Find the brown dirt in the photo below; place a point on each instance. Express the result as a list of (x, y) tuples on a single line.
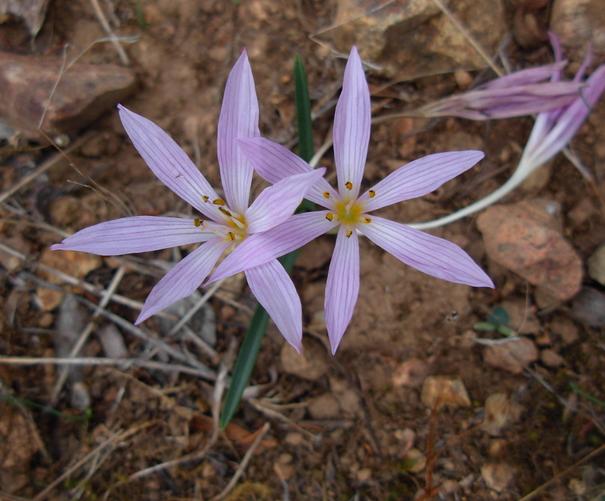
[(181, 60)]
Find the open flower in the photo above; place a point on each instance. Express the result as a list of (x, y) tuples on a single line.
[(351, 213), (228, 222), (552, 132)]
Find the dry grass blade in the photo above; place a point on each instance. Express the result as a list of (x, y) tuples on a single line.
[(114, 39), (124, 363), (83, 337), (76, 466), (48, 164)]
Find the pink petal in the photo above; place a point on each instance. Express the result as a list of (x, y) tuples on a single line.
[(352, 126), (169, 162), (571, 119), (274, 290), (136, 234), (238, 119), (277, 203), (273, 163), (261, 248), (342, 287), (432, 255), (184, 278), (419, 177)]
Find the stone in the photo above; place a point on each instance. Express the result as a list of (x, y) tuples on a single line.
[(84, 93), (406, 40), (20, 439), (48, 299), (324, 407), (444, 391), (500, 412), (525, 239), (414, 461), (112, 342), (522, 316), (311, 364), (497, 476), (579, 23), (565, 329), (32, 12), (347, 398), (410, 373), (76, 264), (551, 358), (512, 356), (589, 307), (596, 265)]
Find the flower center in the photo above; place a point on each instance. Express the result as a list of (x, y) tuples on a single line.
[(349, 212), (239, 228)]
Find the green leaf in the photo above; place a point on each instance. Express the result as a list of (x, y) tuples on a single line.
[(303, 111), (484, 327), (246, 358), (499, 316)]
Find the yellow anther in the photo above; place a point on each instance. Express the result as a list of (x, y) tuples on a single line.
[(231, 235), (218, 201), (349, 185), (367, 219), (348, 233), (225, 211), (205, 198), (197, 222), (371, 193), (329, 216), (326, 194)]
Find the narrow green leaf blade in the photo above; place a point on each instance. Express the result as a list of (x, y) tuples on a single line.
[(303, 111)]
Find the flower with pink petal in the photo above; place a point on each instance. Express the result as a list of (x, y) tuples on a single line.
[(351, 213), (227, 224)]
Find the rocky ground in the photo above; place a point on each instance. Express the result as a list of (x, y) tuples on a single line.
[(438, 391)]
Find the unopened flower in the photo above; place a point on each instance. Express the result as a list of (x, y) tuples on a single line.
[(552, 132), (227, 222), (522, 93), (351, 212)]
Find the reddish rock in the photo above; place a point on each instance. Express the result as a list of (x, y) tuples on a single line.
[(32, 12), (525, 239), (407, 40), (512, 356), (84, 92)]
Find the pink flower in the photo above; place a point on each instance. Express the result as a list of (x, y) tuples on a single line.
[(351, 213), (228, 222)]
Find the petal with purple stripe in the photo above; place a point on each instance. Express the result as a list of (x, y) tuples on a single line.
[(260, 248), (352, 127), (129, 235), (274, 290), (238, 119), (273, 162), (419, 177), (169, 162), (432, 255), (277, 203), (342, 287), (182, 280)]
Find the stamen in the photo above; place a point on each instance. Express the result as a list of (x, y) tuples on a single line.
[(205, 198), (218, 201), (197, 222), (349, 185), (348, 233), (367, 219), (326, 194), (231, 236), (371, 193), (225, 211), (329, 216)]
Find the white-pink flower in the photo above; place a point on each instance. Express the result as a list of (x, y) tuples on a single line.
[(351, 213), (228, 222)]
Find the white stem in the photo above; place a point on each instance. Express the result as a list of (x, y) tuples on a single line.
[(523, 170)]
